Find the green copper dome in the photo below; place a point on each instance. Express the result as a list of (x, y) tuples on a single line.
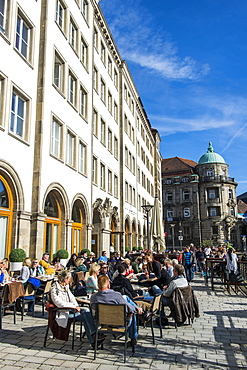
[(211, 156)]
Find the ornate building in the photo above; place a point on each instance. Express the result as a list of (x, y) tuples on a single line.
[(78, 155), (199, 201)]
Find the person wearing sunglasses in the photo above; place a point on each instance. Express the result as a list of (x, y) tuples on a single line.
[(36, 269)]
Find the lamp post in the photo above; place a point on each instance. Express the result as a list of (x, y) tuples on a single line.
[(180, 239), (172, 226), (147, 208)]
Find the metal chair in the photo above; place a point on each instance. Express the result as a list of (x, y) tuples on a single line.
[(29, 296), (112, 319), (43, 293), (156, 311), (5, 304)]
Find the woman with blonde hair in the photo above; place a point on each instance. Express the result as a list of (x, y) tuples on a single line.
[(92, 281), (25, 271)]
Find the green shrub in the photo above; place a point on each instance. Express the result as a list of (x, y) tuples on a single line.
[(17, 255), (140, 248), (127, 249), (135, 248), (62, 254)]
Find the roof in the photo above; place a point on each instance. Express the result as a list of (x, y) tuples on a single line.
[(211, 156), (243, 197), (177, 166), (242, 207)]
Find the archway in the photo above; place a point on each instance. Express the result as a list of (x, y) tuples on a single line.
[(78, 227), (53, 221), (6, 217)]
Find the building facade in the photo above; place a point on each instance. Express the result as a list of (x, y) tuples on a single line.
[(199, 201), (78, 155)]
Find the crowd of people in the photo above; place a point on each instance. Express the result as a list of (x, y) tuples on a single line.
[(134, 280)]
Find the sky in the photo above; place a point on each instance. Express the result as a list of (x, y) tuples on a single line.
[(188, 59)]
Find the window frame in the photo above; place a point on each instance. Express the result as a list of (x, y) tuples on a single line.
[(61, 78), (54, 139), (82, 159), (83, 106), (28, 56), (26, 114), (72, 76), (70, 149)]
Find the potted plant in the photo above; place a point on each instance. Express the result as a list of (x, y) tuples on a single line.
[(63, 254), (16, 258), (140, 248), (135, 248)]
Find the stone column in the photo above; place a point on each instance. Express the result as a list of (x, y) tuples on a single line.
[(23, 227), (36, 250), (87, 243), (105, 241)]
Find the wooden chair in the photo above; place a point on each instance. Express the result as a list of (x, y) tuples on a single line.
[(112, 319), (5, 304)]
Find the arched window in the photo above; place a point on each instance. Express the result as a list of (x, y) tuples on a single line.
[(6, 209), (52, 224), (77, 228)]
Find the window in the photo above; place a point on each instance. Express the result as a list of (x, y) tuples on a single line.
[(95, 39), (82, 158), (115, 147), (230, 194), (19, 115), (95, 78), (125, 123), (109, 181), (109, 141), (83, 102), (186, 195), (94, 170), (126, 191), (134, 197), (187, 233), (3, 15), (58, 74), (109, 102), (211, 194), (210, 173), (72, 86), (109, 67), (115, 186), (23, 37), (232, 211), (214, 211), (215, 230), (73, 31), (169, 215), (2, 98), (95, 122), (102, 90), (185, 179), (139, 175), (102, 132), (186, 212), (60, 15), (168, 181), (169, 197), (84, 52), (70, 155), (56, 138), (84, 9), (115, 78), (102, 175), (102, 52), (115, 112)]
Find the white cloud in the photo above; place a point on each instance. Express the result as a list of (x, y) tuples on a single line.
[(150, 47)]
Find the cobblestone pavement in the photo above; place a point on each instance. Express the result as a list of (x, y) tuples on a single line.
[(216, 340)]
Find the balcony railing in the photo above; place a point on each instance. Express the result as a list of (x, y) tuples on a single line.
[(217, 178)]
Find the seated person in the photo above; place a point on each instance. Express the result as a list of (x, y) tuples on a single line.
[(107, 295), (91, 259), (36, 269), (46, 265), (104, 270), (92, 281), (136, 265), (79, 266), (62, 297), (25, 271), (169, 267), (57, 264), (1, 271), (71, 262), (121, 282), (103, 257), (153, 267), (179, 281)]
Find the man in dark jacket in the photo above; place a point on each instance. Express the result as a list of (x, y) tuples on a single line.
[(121, 283), (189, 263)]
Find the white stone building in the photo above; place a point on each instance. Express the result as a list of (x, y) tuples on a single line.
[(78, 156)]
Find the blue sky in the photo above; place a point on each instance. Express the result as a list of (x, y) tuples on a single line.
[(188, 59)]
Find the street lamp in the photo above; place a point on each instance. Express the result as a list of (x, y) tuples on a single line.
[(180, 239), (172, 226), (147, 208)]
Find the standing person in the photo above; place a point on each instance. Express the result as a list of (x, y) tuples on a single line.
[(46, 265), (201, 260), (231, 265), (112, 248), (188, 261)]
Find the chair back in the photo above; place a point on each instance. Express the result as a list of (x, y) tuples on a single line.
[(78, 276), (5, 295), (29, 290), (86, 275), (48, 286), (111, 314), (156, 303)]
